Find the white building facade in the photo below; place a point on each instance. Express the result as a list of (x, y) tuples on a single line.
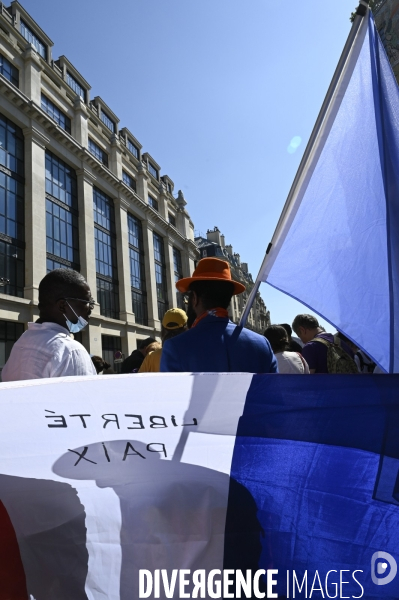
[(76, 191)]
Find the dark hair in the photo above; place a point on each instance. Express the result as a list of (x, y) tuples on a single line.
[(277, 336), (144, 343), (306, 321), (213, 293), (58, 284), (99, 363), (167, 334), (287, 328)]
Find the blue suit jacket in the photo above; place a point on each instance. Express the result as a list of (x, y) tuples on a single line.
[(217, 345)]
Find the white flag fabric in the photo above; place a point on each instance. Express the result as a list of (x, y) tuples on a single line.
[(89, 480), (336, 248)]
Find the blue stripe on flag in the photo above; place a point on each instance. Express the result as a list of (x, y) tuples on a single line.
[(319, 457)]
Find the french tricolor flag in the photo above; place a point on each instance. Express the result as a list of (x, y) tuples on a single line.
[(109, 483)]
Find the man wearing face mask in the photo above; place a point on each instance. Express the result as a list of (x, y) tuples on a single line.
[(47, 349)]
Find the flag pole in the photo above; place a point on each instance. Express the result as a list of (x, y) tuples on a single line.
[(359, 15)]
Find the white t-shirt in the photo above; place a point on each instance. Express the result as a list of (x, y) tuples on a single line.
[(291, 362), (46, 350)]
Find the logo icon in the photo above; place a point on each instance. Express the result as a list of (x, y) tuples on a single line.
[(379, 565)]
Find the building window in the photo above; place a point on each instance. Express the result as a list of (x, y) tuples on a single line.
[(12, 239), (11, 207), (107, 121), (62, 234), (9, 71), (98, 152), (9, 333), (178, 271), (106, 263), (152, 202), (160, 275), (77, 88), (105, 254), (172, 219), (34, 40), (137, 273), (110, 345), (153, 170), (11, 146), (52, 264), (130, 181), (133, 148), (61, 181), (56, 114), (169, 188)]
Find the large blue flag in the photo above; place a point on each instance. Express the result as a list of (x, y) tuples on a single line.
[(336, 247)]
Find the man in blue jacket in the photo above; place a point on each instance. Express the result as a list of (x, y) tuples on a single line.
[(214, 343)]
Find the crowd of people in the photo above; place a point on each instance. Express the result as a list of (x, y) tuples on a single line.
[(200, 339)]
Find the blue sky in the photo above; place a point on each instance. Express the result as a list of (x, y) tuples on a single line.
[(215, 91)]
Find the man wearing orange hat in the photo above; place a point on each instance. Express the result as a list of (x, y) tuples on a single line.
[(214, 343)]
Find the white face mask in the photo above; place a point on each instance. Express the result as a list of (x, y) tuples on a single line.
[(75, 327)]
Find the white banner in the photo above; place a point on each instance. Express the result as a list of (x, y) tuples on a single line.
[(105, 476)]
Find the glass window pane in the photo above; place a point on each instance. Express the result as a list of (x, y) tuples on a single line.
[(33, 39), (133, 148), (55, 113), (108, 121), (105, 248), (61, 243), (98, 152), (160, 275), (77, 88), (11, 191)]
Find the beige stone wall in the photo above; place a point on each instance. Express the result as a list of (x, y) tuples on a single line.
[(22, 105)]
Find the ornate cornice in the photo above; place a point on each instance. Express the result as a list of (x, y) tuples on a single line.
[(36, 136)]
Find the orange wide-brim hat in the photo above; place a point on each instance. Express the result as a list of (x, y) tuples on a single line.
[(210, 269)]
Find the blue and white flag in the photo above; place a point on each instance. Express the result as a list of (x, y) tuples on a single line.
[(336, 247), (207, 486)]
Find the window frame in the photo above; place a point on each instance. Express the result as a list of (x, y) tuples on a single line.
[(137, 269), (35, 41), (76, 87), (160, 270), (14, 72), (178, 273), (135, 151), (108, 122), (48, 105), (153, 202), (62, 216), (105, 237), (153, 170), (12, 208), (113, 344), (96, 151), (128, 180)]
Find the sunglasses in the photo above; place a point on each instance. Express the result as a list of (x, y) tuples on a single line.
[(90, 302)]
